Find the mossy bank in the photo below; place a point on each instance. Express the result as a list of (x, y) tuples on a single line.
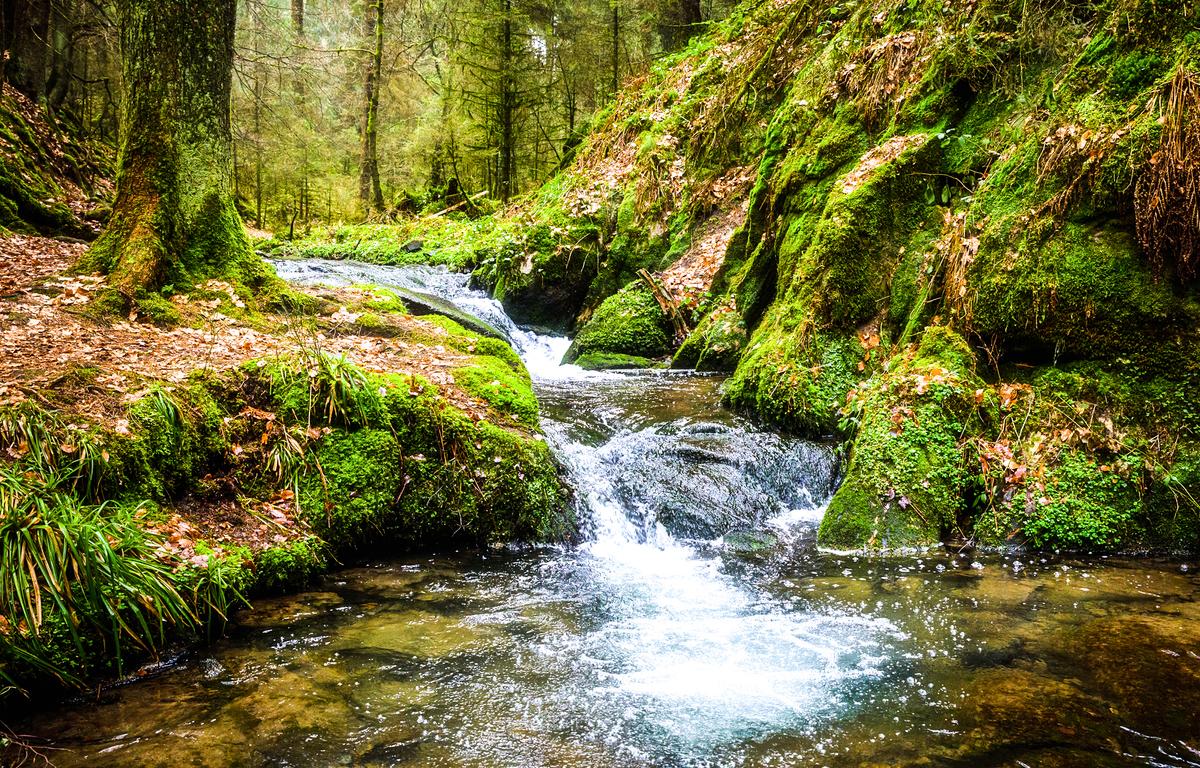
[(243, 456)]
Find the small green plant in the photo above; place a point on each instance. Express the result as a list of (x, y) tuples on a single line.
[(337, 388), (165, 405), (83, 572)]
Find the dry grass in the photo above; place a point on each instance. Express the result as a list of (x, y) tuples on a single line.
[(1167, 196), (880, 74)]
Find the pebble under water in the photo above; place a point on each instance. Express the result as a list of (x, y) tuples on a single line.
[(696, 625)]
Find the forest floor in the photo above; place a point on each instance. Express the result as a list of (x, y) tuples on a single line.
[(88, 369)]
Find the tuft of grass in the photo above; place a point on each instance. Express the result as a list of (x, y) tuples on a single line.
[(44, 443), (86, 573)]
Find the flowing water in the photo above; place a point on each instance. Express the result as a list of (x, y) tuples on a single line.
[(697, 625)]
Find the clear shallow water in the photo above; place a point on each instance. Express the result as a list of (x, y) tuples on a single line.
[(696, 626)]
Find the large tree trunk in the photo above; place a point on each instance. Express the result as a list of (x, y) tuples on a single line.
[(174, 217), (679, 23), (26, 31), (369, 189)]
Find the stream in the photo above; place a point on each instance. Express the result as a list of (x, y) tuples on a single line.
[(696, 625)]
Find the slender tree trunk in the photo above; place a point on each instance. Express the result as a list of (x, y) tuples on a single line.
[(260, 76), (301, 95), (616, 47), (174, 217), (258, 157), (369, 189), (506, 170), (61, 55), (298, 18)]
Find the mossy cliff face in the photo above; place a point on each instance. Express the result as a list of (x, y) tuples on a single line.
[(838, 252), (1020, 172)]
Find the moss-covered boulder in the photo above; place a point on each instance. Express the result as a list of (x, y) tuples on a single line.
[(628, 323), (715, 345), (907, 478), (1083, 291)]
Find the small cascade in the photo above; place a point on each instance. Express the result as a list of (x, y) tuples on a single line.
[(662, 474)]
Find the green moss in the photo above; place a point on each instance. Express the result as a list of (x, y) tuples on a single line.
[(797, 384), (1170, 515), (1084, 292), (1134, 72), (155, 308), (715, 345), (360, 479), (494, 381), (432, 477), (606, 361), (449, 241), (627, 323), (907, 479)]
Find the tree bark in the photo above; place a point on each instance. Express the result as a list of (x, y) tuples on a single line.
[(60, 62), (369, 190), (680, 23), (298, 18), (616, 48), (174, 218), (26, 31), (506, 170)]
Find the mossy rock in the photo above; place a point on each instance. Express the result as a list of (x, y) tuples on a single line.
[(715, 345), (907, 479), (628, 323), (1084, 293), (605, 361), (425, 304), (538, 282)]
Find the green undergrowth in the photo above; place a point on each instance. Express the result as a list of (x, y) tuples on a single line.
[(449, 240)]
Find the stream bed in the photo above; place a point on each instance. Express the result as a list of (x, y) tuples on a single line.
[(695, 625)]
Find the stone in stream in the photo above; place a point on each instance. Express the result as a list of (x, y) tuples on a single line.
[(419, 303)]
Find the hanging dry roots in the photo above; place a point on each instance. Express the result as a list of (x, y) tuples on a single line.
[(1167, 197)]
